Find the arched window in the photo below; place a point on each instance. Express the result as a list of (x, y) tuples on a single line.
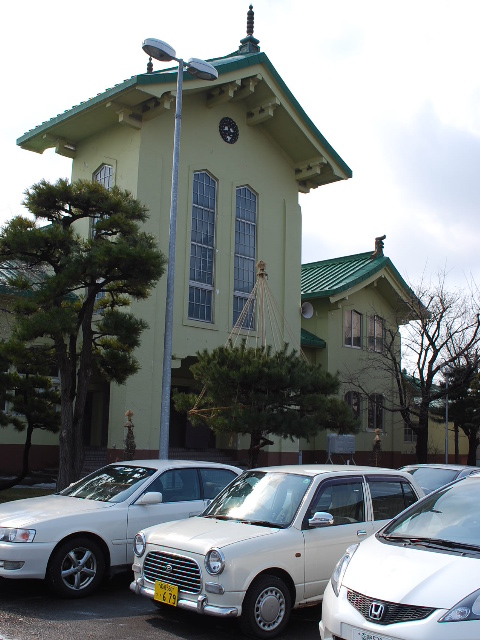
[(375, 411), (352, 398), (245, 253), (202, 247), (103, 175)]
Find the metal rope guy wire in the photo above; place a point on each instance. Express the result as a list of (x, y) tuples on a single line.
[(261, 299)]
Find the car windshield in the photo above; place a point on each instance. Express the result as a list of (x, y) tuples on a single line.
[(432, 478), (110, 484), (259, 497), (450, 515)]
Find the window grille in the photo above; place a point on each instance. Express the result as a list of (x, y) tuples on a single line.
[(245, 254), (202, 247)]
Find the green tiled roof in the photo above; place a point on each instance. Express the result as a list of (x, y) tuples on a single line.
[(331, 277), (311, 340), (9, 269), (224, 65)]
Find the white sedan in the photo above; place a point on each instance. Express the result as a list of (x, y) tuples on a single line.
[(75, 537), (418, 578), (268, 542)]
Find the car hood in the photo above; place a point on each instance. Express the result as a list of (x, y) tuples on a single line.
[(31, 511), (199, 534), (411, 575)]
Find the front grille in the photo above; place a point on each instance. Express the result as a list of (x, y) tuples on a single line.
[(391, 613), (174, 569)]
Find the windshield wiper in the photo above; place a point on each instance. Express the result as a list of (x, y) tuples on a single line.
[(433, 542), (404, 539), (262, 523), (451, 544), (211, 515)]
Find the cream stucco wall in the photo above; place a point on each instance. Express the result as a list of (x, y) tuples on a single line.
[(142, 160), (327, 322)]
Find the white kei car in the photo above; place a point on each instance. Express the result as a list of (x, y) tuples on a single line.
[(268, 542), (75, 537), (416, 579)]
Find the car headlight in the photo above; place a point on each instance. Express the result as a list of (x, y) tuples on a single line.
[(339, 571), (214, 562), (16, 535), (466, 609), (139, 544)]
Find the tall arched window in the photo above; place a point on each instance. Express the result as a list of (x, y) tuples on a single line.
[(352, 398), (245, 253), (202, 247), (104, 176)]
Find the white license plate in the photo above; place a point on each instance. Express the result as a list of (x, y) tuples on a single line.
[(359, 634)]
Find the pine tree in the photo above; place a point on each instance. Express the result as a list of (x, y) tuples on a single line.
[(264, 393), (28, 398), (76, 290)]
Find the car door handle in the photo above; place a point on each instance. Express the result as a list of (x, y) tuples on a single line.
[(361, 532)]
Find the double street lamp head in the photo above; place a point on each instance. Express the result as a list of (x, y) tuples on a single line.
[(163, 52)]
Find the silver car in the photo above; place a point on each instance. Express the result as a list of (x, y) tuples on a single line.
[(434, 476), (75, 537)]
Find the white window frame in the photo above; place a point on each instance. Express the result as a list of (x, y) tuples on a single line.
[(376, 333), (104, 175), (350, 316)]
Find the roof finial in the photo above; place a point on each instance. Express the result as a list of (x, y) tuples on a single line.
[(250, 21), (378, 248), (150, 65), (249, 44)]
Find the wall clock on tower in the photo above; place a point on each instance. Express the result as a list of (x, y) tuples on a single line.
[(228, 129)]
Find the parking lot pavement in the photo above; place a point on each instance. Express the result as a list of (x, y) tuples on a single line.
[(29, 612)]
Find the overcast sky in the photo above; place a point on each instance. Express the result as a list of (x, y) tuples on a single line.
[(394, 87)]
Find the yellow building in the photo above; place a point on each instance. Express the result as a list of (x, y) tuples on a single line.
[(247, 150), (348, 304)]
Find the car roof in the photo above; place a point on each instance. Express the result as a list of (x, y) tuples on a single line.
[(325, 469), (161, 465), (453, 467)]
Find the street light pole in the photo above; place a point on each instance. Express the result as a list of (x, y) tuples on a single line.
[(446, 420), (168, 336), (203, 70)]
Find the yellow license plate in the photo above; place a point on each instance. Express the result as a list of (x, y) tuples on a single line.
[(166, 593)]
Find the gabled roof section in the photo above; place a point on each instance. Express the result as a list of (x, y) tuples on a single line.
[(338, 278), (246, 76)]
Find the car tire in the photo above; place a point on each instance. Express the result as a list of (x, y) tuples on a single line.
[(266, 607), (76, 568)]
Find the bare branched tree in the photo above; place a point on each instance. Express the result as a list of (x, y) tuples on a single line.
[(441, 330)]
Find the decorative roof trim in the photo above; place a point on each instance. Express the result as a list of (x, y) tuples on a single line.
[(227, 64)]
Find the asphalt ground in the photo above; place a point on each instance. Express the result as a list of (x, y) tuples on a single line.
[(29, 612)]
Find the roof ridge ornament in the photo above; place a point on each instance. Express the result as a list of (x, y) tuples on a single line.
[(250, 21), (249, 44), (378, 253)]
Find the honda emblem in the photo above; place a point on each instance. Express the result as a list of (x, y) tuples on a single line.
[(376, 611)]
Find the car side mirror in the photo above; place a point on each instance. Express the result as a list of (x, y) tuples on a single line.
[(321, 519), (152, 497)]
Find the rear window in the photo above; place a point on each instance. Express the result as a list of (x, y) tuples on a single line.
[(430, 478), (390, 497), (214, 480)]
